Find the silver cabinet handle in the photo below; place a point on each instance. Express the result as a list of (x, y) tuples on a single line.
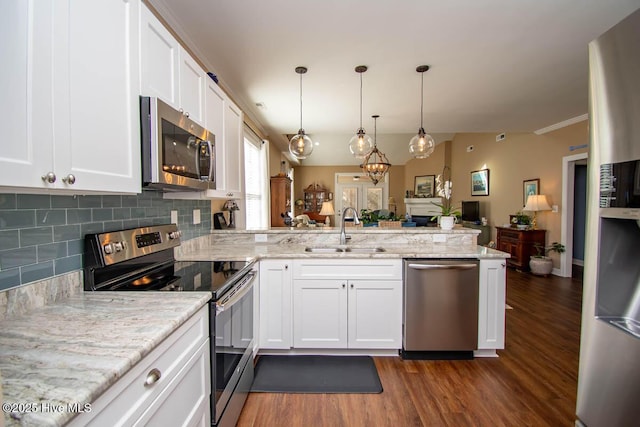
[(69, 179), (442, 266), (152, 377), (49, 177)]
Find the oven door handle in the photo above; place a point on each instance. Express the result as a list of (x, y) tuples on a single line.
[(237, 294)]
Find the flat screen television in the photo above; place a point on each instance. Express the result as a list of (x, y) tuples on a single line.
[(471, 211)]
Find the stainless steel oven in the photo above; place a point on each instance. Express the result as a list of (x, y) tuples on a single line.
[(142, 259), (177, 153)]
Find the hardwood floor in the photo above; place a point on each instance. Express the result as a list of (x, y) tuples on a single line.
[(532, 383)]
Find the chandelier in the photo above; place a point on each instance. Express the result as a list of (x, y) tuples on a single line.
[(375, 164), (360, 144), (300, 145), (421, 145)]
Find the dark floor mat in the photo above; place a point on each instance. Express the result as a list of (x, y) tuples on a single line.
[(316, 374)]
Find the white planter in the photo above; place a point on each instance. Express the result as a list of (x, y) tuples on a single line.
[(447, 222), (541, 266)]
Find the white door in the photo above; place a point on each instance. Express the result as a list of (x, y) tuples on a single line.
[(375, 313), (192, 87), (357, 191), (320, 313), (275, 304)]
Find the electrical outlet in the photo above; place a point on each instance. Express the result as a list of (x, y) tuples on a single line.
[(554, 208), (439, 238), (196, 216), (174, 217), (500, 137), (261, 238), (197, 281)]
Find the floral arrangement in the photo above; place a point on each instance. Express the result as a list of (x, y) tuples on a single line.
[(521, 218), (443, 189)]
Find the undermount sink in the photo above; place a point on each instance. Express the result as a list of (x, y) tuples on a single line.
[(323, 249), (365, 250)]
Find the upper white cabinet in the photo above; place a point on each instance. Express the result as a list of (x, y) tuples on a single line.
[(167, 71), (70, 94), (233, 152)]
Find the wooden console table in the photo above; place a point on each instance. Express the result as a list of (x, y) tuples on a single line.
[(520, 244)]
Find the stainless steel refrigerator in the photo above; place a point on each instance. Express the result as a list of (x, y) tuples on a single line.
[(609, 376)]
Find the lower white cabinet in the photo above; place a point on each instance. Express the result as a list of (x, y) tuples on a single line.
[(345, 306), (491, 304), (275, 304), (170, 386)]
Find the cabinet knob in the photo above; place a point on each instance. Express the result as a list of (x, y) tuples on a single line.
[(49, 177), (352, 286), (503, 264), (186, 113), (69, 179), (152, 377), (343, 285), (286, 267)]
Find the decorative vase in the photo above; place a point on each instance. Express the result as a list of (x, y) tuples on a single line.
[(541, 266), (447, 222)]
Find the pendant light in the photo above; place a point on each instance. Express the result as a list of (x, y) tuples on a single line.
[(360, 144), (421, 145), (375, 163), (300, 145)]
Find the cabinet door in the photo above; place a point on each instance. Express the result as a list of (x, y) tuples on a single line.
[(320, 314), (275, 304), (26, 147), (159, 60), (491, 305), (101, 145), (375, 314), (214, 104), (192, 87), (233, 150)]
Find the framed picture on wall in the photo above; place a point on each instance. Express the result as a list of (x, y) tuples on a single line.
[(530, 187), (423, 186), (480, 182)]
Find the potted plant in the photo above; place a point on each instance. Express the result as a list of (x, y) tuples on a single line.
[(521, 220), (449, 214), (368, 218), (541, 264)]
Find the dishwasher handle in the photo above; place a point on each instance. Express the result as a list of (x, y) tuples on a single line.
[(443, 266)]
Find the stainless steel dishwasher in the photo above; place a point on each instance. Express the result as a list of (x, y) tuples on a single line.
[(440, 309)]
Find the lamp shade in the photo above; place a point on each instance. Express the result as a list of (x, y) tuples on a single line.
[(537, 202), (327, 209)]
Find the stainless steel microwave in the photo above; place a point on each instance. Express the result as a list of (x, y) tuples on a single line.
[(177, 153)]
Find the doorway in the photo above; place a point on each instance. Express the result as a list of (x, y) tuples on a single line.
[(357, 191), (570, 226)]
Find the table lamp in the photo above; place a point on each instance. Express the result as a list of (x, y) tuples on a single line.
[(535, 203), (327, 209)]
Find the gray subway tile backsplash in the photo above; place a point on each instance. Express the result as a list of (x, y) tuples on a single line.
[(42, 235)]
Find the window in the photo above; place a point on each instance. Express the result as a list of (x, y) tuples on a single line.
[(255, 166)]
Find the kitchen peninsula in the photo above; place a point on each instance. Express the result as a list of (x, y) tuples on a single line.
[(297, 264)]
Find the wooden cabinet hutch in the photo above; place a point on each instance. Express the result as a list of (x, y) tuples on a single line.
[(520, 244), (280, 200), (314, 195)]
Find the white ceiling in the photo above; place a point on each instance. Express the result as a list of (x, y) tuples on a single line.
[(496, 65)]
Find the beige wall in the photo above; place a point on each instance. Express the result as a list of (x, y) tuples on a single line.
[(520, 157)]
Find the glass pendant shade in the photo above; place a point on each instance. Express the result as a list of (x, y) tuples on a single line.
[(300, 145), (360, 144), (421, 145)]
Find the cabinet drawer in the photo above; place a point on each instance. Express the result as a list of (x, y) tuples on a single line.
[(379, 269), (510, 235), (127, 399)]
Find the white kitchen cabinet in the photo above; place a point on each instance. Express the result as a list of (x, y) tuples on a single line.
[(225, 120), (170, 386), (275, 304), (70, 93), (491, 305), (347, 304), (168, 71)]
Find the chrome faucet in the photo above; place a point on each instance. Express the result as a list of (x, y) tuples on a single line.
[(356, 221)]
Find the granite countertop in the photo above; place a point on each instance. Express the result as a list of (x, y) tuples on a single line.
[(72, 351), (259, 251)]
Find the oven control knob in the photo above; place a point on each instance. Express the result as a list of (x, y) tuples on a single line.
[(118, 246), (175, 235), (108, 248)]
